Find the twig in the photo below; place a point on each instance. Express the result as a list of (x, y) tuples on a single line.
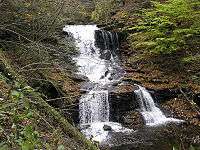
[(190, 101), (44, 119), (40, 63), (35, 69), (49, 100)]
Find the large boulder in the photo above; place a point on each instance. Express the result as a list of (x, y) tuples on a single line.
[(133, 120), (107, 128), (122, 99)]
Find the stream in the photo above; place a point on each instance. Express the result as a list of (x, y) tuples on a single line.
[(99, 62)]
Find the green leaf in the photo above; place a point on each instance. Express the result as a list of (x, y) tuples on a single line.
[(61, 147), (27, 145), (29, 115), (15, 94)]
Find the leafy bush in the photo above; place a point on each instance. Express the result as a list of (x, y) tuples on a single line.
[(170, 26)]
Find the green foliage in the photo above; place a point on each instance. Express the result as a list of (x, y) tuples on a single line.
[(170, 26), (19, 132), (190, 59)]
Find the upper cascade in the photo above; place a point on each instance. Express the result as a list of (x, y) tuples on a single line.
[(97, 51)]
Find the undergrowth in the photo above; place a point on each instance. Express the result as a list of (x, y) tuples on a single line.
[(168, 27)]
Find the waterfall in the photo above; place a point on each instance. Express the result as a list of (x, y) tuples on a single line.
[(97, 61), (152, 114), (94, 107)]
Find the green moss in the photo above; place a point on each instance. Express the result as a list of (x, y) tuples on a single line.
[(191, 59)]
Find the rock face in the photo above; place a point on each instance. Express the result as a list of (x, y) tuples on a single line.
[(132, 120), (162, 95), (106, 40), (122, 99)]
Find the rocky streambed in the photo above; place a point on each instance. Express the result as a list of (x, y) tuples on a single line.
[(111, 91), (125, 109)]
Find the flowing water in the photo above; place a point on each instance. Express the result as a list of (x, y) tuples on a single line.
[(97, 61), (152, 114)]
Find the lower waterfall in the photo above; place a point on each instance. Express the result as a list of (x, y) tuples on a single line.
[(152, 114)]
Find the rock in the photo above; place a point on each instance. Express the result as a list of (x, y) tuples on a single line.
[(182, 109), (84, 127), (105, 55), (197, 99), (122, 99), (86, 87), (131, 81), (162, 137), (162, 95), (158, 81), (64, 33), (79, 78), (108, 43), (133, 120), (107, 128)]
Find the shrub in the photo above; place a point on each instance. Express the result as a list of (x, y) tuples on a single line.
[(171, 26)]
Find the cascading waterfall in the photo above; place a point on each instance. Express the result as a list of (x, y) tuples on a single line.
[(97, 61), (152, 114), (94, 107)]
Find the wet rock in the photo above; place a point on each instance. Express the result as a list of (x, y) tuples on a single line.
[(105, 55), (79, 78), (122, 99), (64, 33), (131, 81), (163, 95), (83, 127), (162, 137), (86, 87), (107, 128), (132, 120), (108, 42)]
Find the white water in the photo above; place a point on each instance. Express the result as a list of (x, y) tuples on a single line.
[(152, 114), (94, 106)]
